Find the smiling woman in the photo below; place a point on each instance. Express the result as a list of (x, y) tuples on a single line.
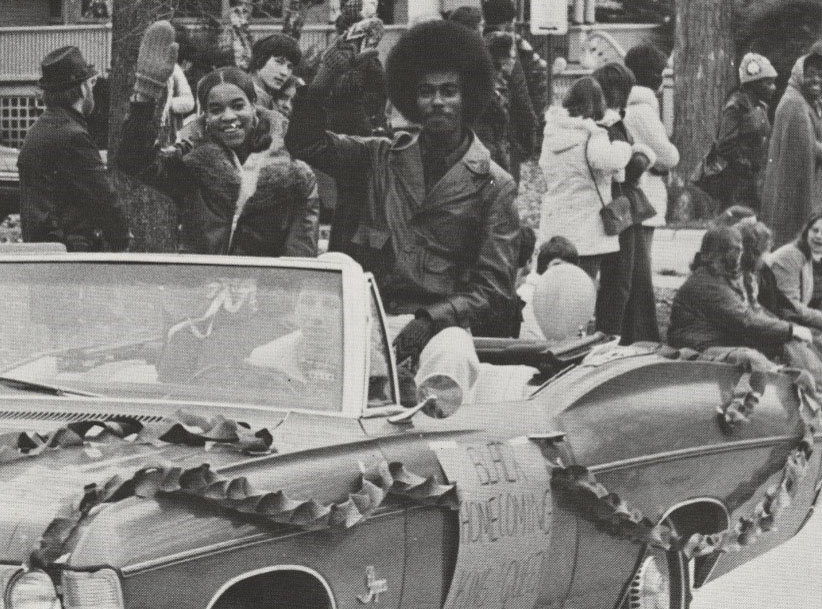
[(238, 190)]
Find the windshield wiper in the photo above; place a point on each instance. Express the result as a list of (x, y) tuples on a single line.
[(43, 388)]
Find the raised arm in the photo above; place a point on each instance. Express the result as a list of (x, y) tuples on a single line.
[(340, 156)]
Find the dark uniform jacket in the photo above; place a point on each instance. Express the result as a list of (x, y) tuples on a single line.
[(712, 311), (450, 252), (281, 218), (744, 132), (65, 193)]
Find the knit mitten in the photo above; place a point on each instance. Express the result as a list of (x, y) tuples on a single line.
[(156, 59)]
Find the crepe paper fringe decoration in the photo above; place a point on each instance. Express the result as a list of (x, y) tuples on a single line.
[(595, 503), (238, 495), (182, 428)]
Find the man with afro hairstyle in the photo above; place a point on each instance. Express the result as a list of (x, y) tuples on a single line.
[(437, 224)]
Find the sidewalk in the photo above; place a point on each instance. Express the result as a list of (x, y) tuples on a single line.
[(672, 253)]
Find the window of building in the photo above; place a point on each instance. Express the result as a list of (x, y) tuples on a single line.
[(17, 114)]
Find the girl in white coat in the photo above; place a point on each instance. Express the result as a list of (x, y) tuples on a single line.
[(575, 147)]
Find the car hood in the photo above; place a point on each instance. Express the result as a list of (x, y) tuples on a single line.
[(34, 490)]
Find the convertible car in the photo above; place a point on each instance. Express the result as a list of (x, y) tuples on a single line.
[(219, 433)]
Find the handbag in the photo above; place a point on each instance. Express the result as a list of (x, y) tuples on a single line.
[(616, 215), (642, 208), (707, 175)]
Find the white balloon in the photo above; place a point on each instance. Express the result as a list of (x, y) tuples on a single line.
[(564, 300)]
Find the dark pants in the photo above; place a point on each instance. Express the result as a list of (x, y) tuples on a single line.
[(590, 264), (625, 301)]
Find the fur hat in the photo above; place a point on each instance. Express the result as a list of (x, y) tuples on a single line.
[(755, 67), (436, 46)]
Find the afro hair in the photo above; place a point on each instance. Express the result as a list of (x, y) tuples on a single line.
[(275, 45), (647, 63), (438, 46)]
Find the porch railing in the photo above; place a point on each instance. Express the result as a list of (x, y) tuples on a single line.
[(22, 48)]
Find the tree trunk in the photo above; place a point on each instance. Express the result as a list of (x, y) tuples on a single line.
[(152, 215), (704, 73)]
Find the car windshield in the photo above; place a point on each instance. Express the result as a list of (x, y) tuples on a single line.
[(240, 335)]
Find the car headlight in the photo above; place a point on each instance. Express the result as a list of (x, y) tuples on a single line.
[(32, 590), (7, 572), (98, 590)]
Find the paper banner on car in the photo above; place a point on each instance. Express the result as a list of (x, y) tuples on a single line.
[(506, 512)]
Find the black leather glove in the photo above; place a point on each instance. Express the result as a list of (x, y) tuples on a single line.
[(412, 339), (636, 167)]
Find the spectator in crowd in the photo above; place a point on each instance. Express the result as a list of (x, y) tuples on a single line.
[(645, 125), (797, 267), (356, 103), (493, 128), (734, 169), (566, 292), (284, 100), (526, 84), (625, 303), (579, 161), (764, 295), (179, 104), (438, 227), (235, 38), (470, 17), (272, 63), (712, 309), (757, 240), (238, 193), (793, 178), (65, 193)]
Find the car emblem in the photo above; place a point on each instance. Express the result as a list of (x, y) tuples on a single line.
[(375, 587)]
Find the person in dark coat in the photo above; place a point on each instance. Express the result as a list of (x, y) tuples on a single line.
[(238, 191), (438, 226), (494, 126), (734, 170), (524, 86), (625, 302), (793, 178), (65, 193), (713, 308)]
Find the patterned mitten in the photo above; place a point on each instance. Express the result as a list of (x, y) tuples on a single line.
[(156, 59)]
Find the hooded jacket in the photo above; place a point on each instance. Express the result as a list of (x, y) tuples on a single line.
[(793, 178), (571, 206), (645, 126)]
